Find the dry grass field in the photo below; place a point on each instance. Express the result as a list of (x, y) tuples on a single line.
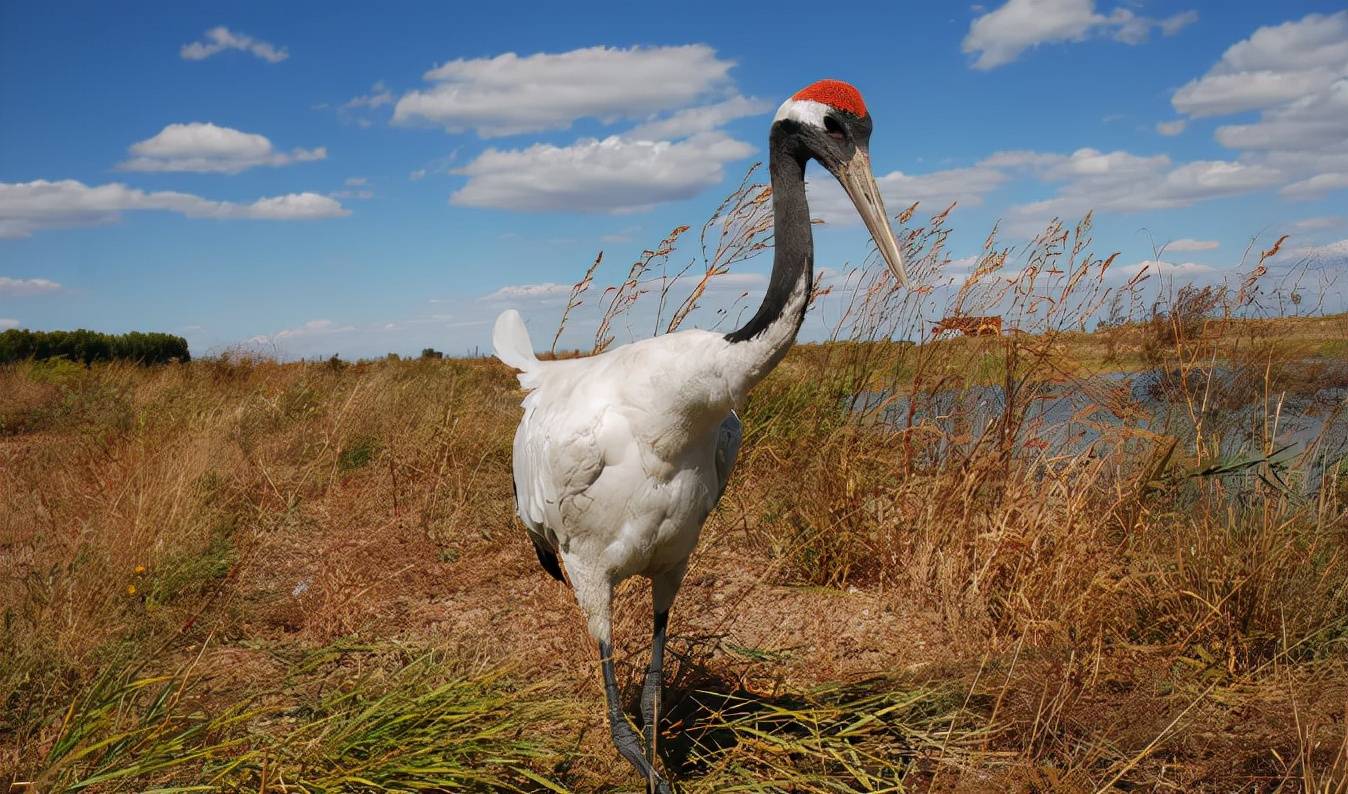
[(238, 574)]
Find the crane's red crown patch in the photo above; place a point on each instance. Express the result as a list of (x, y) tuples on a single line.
[(834, 93)]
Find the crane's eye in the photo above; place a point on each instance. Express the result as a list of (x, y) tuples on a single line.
[(834, 129)]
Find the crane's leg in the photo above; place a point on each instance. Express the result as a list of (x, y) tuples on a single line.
[(650, 690), (625, 739), (663, 589), (594, 593)]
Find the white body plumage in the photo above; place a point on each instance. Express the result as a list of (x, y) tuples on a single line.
[(619, 457)]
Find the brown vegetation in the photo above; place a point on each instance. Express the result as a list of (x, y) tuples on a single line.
[(242, 574)]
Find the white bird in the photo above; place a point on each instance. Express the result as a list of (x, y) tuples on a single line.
[(620, 456)]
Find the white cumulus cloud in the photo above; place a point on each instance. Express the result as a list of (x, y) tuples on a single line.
[(999, 36), (935, 190), (378, 97), (1335, 252), (1316, 122), (703, 118), (8, 322), (313, 328), (20, 287), (526, 292), (1275, 65), (1121, 181), (1158, 267), (610, 175), (1295, 75), (310, 331), (1318, 222), (208, 148), (220, 38), (510, 94), (26, 207), (1187, 244), (357, 187), (1174, 24), (1316, 186), (355, 109)]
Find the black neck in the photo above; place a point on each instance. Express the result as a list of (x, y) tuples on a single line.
[(793, 240)]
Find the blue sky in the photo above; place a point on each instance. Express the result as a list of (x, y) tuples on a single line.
[(313, 178)]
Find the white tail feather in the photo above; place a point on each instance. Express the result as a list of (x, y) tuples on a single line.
[(511, 340)]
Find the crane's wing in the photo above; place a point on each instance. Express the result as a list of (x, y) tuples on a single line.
[(547, 554), (728, 439), (534, 489)]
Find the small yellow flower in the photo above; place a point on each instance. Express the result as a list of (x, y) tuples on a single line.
[(130, 589), (140, 569)]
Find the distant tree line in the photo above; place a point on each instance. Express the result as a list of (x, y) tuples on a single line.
[(88, 346)]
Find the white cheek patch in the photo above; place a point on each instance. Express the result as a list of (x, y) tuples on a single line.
[(802, 111)]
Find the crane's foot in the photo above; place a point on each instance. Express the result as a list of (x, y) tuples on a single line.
[(628, 743)]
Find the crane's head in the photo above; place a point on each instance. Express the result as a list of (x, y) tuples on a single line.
[(828, 121)]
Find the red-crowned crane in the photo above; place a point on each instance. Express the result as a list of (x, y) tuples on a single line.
[(620, 456)]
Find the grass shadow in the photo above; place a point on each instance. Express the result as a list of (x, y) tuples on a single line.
[(702, 709), (720, 729)]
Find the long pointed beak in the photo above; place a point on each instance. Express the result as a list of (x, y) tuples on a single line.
[(857, 179)]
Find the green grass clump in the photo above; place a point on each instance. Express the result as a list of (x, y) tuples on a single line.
[(190, 574), (417, 725), (358, 453), (129, 731), (418, 728)]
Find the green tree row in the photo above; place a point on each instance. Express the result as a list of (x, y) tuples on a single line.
[(89, 346)]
